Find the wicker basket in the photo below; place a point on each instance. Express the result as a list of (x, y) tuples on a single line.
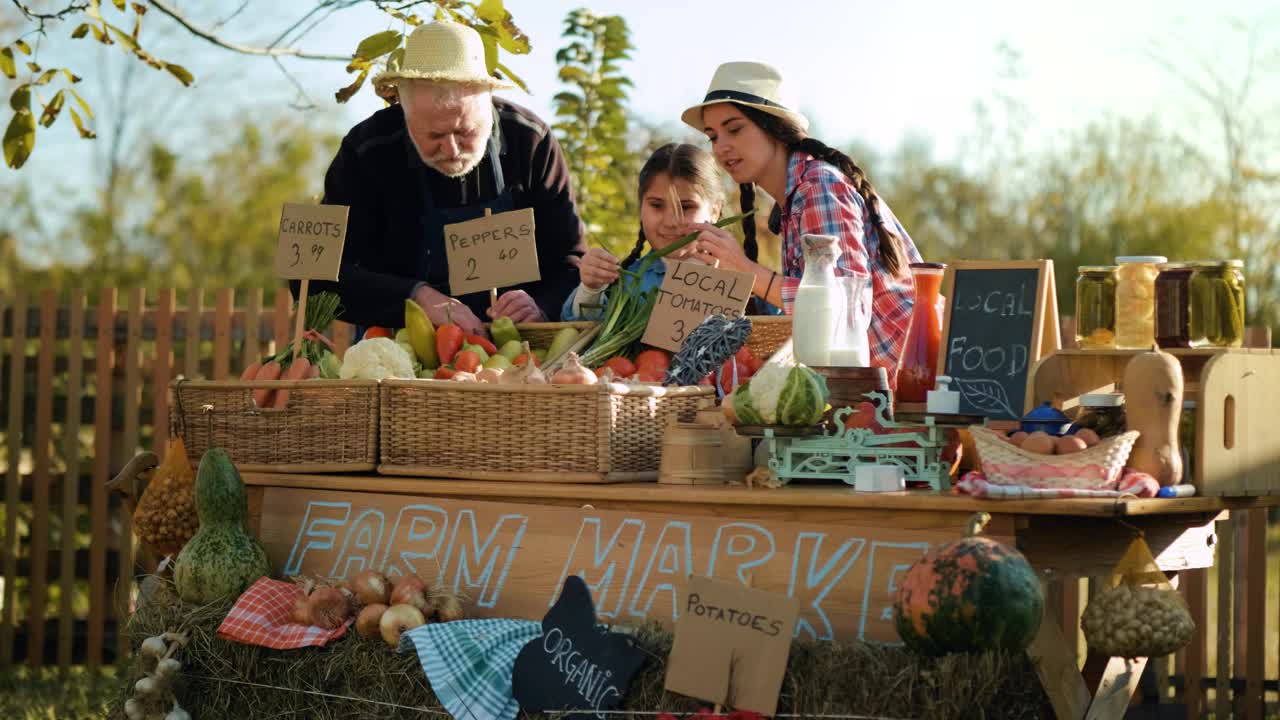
[(1096, 468), (541, 334), (327, 425), (768, 333), (540, 433)]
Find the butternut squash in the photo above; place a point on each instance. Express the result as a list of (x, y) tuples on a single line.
[(1153, 402)]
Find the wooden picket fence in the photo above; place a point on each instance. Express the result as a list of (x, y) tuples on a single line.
[(83, 387)]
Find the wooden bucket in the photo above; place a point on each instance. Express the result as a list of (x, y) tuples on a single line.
[(691, 455), (736, 456)]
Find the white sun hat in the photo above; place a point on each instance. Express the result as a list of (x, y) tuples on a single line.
[(443, 51), (753, 84)]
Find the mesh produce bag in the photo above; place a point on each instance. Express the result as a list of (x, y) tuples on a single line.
[(1138, 614)]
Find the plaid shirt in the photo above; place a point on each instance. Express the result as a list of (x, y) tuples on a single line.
[(824, 202)]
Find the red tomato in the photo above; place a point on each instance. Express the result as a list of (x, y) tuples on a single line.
[(653, 359), (482, 342), (377, 332), (647, 374), (727, 383), (466, 361), (622, 367)]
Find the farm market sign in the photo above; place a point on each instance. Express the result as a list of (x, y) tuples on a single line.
[(512, 560)]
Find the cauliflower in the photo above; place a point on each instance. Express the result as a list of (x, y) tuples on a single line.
[(376, 359), (764, 389)]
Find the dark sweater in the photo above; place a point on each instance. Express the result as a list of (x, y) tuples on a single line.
[(378, 174)]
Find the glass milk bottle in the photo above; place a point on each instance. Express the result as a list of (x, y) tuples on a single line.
[(820, 303)]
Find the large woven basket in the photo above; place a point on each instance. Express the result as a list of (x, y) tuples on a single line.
[(1096, 468), (768, 334), (540, 334), (538, 433), (327, 425)]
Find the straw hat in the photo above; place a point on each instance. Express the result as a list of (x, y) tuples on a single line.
[(443, 51), (753, 84)]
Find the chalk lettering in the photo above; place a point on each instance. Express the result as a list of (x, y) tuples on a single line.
[(364, 539), (418, 534), (478, 574), (603, 562), (670, 562), (740, 541), (813, 617), (319, 531), (906, 554)]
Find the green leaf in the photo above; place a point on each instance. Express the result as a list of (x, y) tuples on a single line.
[(33, 67), (46, 77), (19, 139), (119, 4), (20, 100), (23, 46), (85, 133), (491, 11), (378, 44), (71, 77), (490, 40), (87, 110), (52, 109), (80, 31), (184, 76), (123, 38), (512, 38), (100, 35), (7, 65), (396, 60)]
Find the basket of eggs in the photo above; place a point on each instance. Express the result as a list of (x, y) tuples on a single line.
[(1045, 455)]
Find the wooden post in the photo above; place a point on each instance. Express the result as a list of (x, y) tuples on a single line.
[(71, 481), (38, 592), (105, 365), (17, 369)]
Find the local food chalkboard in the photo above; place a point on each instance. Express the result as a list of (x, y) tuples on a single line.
[(575, 664), (1001, 318)]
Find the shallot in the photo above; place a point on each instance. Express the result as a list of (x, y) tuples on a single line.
[(369, 619), (372, 587), (329, 608), (573, 373)]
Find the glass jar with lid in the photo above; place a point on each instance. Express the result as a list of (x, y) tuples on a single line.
[(1102, 413), (1096, 307), (1187, 440), (1217, 304), (1173, 305), (1136, 300)]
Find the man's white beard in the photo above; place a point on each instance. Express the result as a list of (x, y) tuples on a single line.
[(457, 167)]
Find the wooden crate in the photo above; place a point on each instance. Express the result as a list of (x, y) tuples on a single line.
[(1237, 394)]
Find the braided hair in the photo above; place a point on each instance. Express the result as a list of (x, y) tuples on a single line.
[(795, 140), (679, 161)]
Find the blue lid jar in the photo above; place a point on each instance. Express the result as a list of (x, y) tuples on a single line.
[(1048, 419)]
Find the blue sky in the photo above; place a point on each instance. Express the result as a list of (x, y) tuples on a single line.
[(874, 72)]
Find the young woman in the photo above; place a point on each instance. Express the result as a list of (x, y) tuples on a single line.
[(692, 173), (759, 141)]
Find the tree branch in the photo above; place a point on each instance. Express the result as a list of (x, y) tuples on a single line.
[(206, 34), (68, 10)]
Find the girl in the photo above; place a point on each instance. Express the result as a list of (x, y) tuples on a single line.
[(692, 173), (758, 140)]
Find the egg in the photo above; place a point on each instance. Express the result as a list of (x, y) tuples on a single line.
[(1089, 437), (1018, 438), (1040, 443), (1068, 444)]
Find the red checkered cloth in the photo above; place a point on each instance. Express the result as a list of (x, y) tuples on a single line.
[(1131, 482), (261, 617)]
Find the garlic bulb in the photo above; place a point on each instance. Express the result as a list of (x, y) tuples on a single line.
[(145, 686), (133, 710), (177, 713), (153, 647)]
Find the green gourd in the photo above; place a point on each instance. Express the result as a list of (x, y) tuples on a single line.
[(222, 559)]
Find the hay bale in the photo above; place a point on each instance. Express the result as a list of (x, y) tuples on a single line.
[(358, 679)]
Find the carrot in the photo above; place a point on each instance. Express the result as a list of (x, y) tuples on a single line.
[(314, 372), (269, 371), (298, 370), (251, 371)]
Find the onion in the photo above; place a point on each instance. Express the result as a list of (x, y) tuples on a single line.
[(462, 376), (526, 374), (397, 620), (448, 608), (369, 618), (133, 710), (372, 587), (574, 373), (301, 611), (410, 590), (329, 608), (490, 375)]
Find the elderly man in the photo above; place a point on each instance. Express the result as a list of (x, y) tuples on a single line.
[(444, 154)]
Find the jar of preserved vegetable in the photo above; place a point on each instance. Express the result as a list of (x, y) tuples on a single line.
[(1173, 306), (1217, 304), (1187, 440), (1102, 413), (1136, 300), (1096, 307)]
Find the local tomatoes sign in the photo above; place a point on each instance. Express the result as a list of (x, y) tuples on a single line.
[(690, 293), (512, 559)]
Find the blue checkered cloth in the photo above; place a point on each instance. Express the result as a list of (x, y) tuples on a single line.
[(469, 663)]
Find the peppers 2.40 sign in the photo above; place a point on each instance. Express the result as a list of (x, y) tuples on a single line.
[(309, 246)]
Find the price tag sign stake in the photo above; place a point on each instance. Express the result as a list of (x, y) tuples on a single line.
[(309, 246)]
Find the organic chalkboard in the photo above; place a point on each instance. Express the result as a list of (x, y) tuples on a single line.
[(1001, 318), (575, 664)]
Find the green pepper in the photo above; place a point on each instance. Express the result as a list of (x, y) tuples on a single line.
[(511, 349), (503, 330)]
